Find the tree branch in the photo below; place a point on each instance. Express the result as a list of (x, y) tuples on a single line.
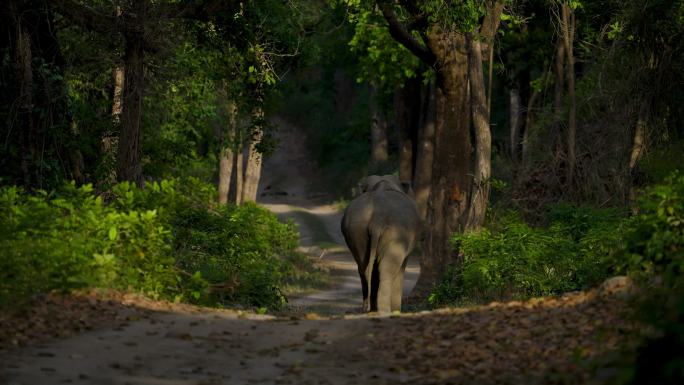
[(399, 32), (85, 16), (200, 10)]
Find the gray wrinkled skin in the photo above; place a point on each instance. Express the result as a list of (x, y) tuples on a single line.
[(380, 227)]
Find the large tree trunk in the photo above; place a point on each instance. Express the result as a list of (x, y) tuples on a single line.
[(483, 138), (425, 151), (448, 203), (378, 127), (128, 158), (568, 33), (407, 115)]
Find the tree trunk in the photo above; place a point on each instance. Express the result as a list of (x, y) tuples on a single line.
[(226, 156), (128, 157), (639, 140), (514, 118), (117, 93), (483, 138), (378, 128), (226, 159), (239, 176), (448, 203), (568, 31), (529, 121), (425, 151), (407, 115), (559, 71), (110, 140), (252, 169), (22, 58)]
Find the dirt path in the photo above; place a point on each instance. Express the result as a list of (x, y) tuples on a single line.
[(286, 189)]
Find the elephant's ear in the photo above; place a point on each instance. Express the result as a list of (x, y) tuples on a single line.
[(368, 183), (408, 190)]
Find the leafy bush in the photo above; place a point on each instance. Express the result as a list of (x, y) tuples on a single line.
[(71, 240), (510, 259), (168, 239), (655, 255)]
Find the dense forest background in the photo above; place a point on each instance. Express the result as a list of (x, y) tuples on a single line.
[(542, 140)]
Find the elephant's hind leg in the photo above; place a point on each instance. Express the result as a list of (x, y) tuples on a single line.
[(398, 287), (389, 269)]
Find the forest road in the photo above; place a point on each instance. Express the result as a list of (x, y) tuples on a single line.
[(288, 189), (190, 345)]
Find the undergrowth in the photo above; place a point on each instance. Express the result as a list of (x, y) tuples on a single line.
[(167, 240), (509, 259)]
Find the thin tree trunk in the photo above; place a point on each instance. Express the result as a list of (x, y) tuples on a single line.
[(239, 176), (117, 93), (128, 157), (529, 121), (22, 59), (639, 140), (378, 128), (226, 157), (425, 151), (110, 140), (407, 115), (568, 30), (483, 138), (252, 169), (514, 118), (556, 139)]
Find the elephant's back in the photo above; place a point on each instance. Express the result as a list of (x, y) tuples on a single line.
[(397, 209)]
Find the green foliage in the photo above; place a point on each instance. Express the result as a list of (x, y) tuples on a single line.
[(168, 240), (71, 239), (655, 244), (510, 259), (654, 255)]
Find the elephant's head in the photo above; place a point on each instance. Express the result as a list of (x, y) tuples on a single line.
[(380, 182)]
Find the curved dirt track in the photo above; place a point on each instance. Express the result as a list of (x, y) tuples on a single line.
[(286, 190)]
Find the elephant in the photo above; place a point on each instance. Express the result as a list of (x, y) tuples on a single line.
[(380, 227)]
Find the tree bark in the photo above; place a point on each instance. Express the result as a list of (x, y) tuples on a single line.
[(226, 159), (559, 72), (22, 59), (239, 176), (483, 138), (378, 128), (252, 168), (226, 155), (568, 32), (514, 119), (425, 151), (639, 139), (128, 158), (448, 202), (407, 115)]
